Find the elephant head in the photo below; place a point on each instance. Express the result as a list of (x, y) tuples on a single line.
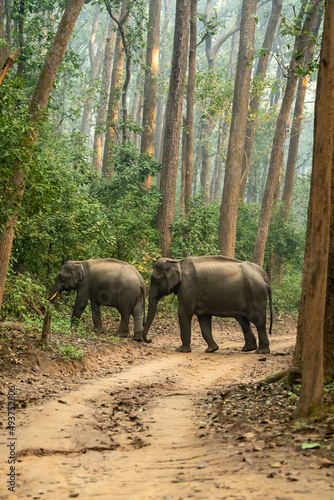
[(67, 279), (165, 278)]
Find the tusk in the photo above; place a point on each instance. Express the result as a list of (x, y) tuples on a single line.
[(54, 295)]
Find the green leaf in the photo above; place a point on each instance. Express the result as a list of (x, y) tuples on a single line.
[(310, 446)]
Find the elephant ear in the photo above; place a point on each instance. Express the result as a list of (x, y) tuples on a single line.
[(173, 273), (78, 272)]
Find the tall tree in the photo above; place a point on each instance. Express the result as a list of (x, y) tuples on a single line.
[(95, 60), (230, 198), (189, 120), (173, 124), (255, 98), (312, 311), (151, 81), (295, 134), (38, 104), (276, 158), (114, 95), (103, 99)]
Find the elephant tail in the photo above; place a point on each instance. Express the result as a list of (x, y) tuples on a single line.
[(270, 308)]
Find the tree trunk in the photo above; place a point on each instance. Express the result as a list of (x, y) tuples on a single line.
[(103, 100), (38, 104), (294, 138), (151, 82), (230, 198), (95, 63), (189, 146), (137, 104), (255, 99), (114, 101), (173, 124), (276, 159), (298, 117), (329, 310), (315, 275)]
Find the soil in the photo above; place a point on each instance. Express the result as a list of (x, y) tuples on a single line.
[(141, 421)]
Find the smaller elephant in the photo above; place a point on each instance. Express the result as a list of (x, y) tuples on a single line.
[(209, 286), (107, 282)]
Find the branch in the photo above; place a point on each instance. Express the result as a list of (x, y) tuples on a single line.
[(7, 64)]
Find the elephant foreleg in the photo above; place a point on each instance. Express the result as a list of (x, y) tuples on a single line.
[(185, 330), (96, 314), (78, 309), (206, 329), (250, 340)]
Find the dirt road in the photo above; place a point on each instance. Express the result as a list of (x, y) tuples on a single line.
[(143, 433)]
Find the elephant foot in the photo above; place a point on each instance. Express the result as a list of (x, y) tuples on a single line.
[(212, 348), (247, 348), (123, 335), (263, 350), (137, 337), (183, 348)]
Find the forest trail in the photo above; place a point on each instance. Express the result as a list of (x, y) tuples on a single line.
[(139, 434)]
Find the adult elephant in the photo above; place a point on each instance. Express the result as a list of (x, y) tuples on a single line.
[(213, 286), (107, 282)]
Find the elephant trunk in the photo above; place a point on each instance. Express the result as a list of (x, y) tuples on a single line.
[(152, 307), (54, 292)]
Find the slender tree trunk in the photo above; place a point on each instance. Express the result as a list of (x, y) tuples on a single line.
[(137, 104), (114, 101), (94, 64), (255, 99), (173, 124), (294, 139), (38, 104), (3, 49), (103, 100), (151, 82), (312, 314), (276, 159), (230, 198), (189, 155), (298, 117)]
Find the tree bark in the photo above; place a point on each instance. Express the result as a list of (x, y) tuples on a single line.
[(103, 99), (294, 138), (37, 106), (255, 98), (230, 198), (151, 82), (95, 60), (114, 101), (276, 158), (315, 276), (173, 124)]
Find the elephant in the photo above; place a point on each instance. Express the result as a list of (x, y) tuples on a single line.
[(213, 286), (108, 282)]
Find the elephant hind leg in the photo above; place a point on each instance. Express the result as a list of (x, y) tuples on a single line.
[(206, 329), (123, 329), (263, 338), (137, 314), (250, 340)]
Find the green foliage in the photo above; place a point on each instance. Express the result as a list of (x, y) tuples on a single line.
[(71, 352), (18, 288), (196, 233), (286, 297)]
